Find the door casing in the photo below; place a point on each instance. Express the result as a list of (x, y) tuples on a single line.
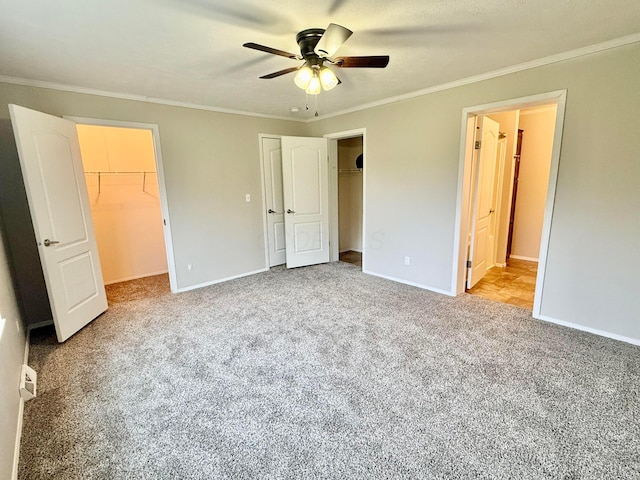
[(333, 190), (463, 211), (155, 133)]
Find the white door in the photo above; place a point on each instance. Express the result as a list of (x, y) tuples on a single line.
[(306, 200), (272, 168), (57, 194), (481, 249)]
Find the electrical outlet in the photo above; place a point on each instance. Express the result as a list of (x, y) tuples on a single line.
[(189, 267), (247, 197), (407, 260)]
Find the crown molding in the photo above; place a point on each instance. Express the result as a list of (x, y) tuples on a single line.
[(138, 98), (560, 57)]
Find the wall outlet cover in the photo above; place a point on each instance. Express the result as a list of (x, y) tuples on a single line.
[(28, 380)]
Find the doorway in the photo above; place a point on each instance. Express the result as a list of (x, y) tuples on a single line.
[(350, 185), (518, 161), (272, 157), (125, 182), (535, 192), (122, 183)]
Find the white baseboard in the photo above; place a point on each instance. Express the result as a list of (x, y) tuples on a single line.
[(213, 282), (16, 448), (39, 325), (595, 331), (521, 257), (135, 277), (413, 284)]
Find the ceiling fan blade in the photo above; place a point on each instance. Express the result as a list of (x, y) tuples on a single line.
[(280, 72), (378, 61), (335, 6), (273, 51), (243, 13), (333, 38)]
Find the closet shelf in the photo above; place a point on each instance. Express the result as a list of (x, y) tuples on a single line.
[(349, 170), (101, 173)]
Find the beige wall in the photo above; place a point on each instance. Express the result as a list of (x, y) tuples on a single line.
[(211, 160), (535, 162), (127, 219), (413, 149), (349, 195), (12, 343)]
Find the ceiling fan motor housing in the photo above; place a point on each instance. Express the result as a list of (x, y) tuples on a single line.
[(307, 41)]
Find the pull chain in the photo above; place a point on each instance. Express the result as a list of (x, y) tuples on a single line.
[(307, 102)]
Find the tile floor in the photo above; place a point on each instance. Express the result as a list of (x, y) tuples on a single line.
[(514, 284), (351, 257)]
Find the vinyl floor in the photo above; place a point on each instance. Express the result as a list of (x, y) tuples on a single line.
[(514, 284)]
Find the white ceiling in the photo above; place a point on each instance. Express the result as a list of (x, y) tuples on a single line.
[(191, 50)]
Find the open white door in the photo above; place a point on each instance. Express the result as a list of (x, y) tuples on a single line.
[(57, 194), (481, 248), (306, 200), (272, 168)]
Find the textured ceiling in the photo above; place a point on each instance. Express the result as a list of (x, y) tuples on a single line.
[(191, 50)]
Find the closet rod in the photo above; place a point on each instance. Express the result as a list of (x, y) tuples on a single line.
[(100, 173), (119, 173)]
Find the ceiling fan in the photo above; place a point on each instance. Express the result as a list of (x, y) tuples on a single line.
[(317, 47)]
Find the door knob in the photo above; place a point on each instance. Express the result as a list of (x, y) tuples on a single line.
[(271, 211), (290, 211), (48, 242), (491, 211)]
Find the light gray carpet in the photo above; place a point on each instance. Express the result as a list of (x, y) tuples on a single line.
[(324, 372)]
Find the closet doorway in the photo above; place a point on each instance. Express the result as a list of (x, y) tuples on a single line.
[(126, 195), (349, 174), (350, 189)]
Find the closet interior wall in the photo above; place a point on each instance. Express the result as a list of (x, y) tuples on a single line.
[(122, 183), (349, 195)]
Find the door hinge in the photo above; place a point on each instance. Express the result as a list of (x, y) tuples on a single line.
[(478, 144), (164, 221), (468, 263)]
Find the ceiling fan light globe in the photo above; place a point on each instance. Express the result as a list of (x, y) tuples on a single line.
[(328, 79), (303, 77), (314, 87)]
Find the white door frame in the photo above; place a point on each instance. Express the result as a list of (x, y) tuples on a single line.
[(164, 206), (463, 213), (333, 138)]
